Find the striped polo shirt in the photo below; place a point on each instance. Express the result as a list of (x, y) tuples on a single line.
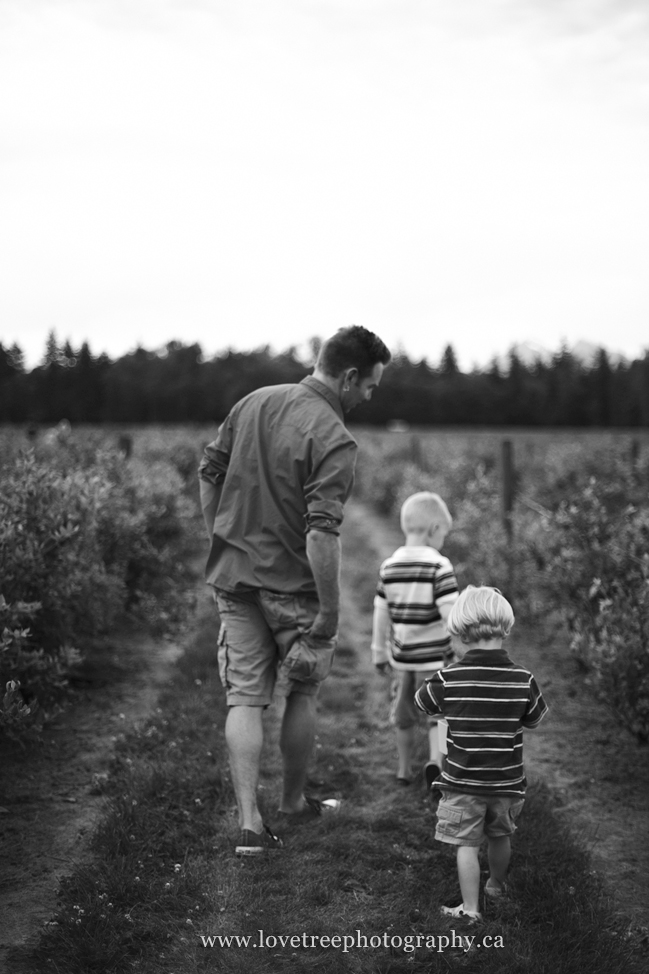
[(413, 582), (487, 700)]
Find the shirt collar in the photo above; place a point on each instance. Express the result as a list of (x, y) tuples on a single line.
[(325, 392), (486, 657)]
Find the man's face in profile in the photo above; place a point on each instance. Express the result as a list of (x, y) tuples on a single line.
[(360, 390)]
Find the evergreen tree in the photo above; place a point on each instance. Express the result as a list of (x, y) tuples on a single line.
[(17, 358), (448, 365), (603, 389), (176, 384), (52, 351)]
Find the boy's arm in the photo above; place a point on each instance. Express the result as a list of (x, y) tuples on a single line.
[(380, 630), (536, 706), (430, 696), (444, 609)]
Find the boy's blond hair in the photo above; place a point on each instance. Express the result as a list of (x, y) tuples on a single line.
[(421, 510), (480, 613)]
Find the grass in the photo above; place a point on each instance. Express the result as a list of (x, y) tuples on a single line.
[(163, 873)]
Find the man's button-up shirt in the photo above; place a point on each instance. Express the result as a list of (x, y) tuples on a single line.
[(283, 462)]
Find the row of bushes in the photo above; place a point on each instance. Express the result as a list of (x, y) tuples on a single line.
[(579, 543), (602, 574), (87, 541)]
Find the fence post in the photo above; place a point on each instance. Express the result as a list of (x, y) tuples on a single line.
[(125, 445), (635, 456), (415, 450), (507, 462)]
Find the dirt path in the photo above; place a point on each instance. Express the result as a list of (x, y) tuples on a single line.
[(50, 793), (598, 772), (50, 802)]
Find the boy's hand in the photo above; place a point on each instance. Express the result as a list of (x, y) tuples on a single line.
[(383, 668)]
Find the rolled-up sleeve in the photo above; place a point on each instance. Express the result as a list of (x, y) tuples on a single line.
[(327, 489), (216, 456)]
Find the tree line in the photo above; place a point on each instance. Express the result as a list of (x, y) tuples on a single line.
[(179, 385)]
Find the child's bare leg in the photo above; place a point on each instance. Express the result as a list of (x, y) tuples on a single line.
[(468, 870), (405, 723), (434, 753), (405, 748), (500, 851)]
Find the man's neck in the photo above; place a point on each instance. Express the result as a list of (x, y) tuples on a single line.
[(335, 384)]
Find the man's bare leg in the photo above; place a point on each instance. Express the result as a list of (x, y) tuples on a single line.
[(244, 737), (296, 744)]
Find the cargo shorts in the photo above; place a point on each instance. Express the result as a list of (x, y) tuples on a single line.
[(464, 819), (265, 649)]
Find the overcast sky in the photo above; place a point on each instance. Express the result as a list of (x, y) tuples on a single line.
[(242, 172)]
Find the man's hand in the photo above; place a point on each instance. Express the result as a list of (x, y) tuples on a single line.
[(325, 626)]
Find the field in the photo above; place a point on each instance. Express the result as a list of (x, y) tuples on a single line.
[(154, 873)]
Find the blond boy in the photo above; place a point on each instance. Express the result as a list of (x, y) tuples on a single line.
[(415, 593), (487, 700)]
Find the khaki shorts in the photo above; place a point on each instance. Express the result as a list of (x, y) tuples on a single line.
[(265, 647), (403, 711), (467, 819)]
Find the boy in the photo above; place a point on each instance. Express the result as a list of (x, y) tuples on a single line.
[(416, 590), (487, 700)]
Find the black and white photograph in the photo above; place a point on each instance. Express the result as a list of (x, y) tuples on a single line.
[(324, 486)]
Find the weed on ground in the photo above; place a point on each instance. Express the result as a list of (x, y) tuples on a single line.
[(359, 891)]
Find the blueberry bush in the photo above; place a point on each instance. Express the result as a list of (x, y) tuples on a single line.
[(88, 539)]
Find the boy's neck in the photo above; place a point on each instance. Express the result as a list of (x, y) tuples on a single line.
[(495, 643), (418, 539)]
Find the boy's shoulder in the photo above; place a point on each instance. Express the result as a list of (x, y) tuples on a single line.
[(418, 554), (504, 662), (520, 667), (449, 668), (523, 670)]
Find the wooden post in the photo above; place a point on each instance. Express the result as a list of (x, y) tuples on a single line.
[(416, 455), (125, 445), (507, 460), (508, 486), (635, 456)]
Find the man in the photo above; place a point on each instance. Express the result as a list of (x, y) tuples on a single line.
[(273, 488)]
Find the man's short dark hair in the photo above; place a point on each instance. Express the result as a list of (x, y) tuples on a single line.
[(353, 348)]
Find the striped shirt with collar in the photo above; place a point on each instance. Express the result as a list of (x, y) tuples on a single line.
[(487, 700), (413, 582)]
